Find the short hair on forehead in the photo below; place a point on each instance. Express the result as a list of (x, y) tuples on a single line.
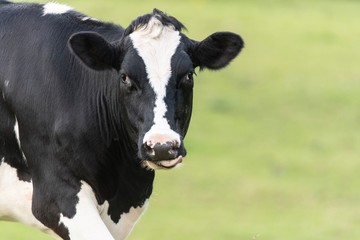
[(165, 20)]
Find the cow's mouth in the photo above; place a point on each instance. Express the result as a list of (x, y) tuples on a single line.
[(164, 164)]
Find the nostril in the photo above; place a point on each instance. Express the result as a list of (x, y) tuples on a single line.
[(158, 151), (149, 144), (173, 153), (149, 149), (177, 144)]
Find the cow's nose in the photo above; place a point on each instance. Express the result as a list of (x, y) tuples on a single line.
[(162, 151)]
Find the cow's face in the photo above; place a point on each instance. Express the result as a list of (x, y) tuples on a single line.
[(156, 65)]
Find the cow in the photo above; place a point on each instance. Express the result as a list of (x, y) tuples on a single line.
[(89, 111)]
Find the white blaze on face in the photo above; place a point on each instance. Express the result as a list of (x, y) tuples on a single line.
[(156, 44), (55, 8)]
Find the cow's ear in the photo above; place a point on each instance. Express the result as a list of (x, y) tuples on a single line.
[(217, 50), (94, 51)]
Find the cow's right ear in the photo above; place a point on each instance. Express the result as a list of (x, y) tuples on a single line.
[(94, 51)]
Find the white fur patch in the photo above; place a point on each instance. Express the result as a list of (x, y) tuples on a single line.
[(16, 129), (92, 222), (86, 224), (55, 8), (16, 198), (156, 44), (89, 19), (127, 220)]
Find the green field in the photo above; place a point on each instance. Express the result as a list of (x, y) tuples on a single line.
[(274, 143)]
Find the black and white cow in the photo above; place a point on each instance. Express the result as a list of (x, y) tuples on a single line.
[(88, 111)]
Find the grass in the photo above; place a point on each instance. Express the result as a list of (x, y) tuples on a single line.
[(273, 146)]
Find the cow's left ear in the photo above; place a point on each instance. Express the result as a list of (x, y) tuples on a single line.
[(217, 50), (94, 51)]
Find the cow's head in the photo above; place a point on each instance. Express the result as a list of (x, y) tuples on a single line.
[(156, 65)]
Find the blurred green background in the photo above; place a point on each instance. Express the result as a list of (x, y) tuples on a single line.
[(273, 147)]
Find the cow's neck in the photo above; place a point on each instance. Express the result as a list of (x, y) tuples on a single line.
[(123, 174), (132, 181), (108, 117)]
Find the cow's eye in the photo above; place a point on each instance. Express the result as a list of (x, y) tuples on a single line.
[(190, 76), (186, 80), (125, 79)]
